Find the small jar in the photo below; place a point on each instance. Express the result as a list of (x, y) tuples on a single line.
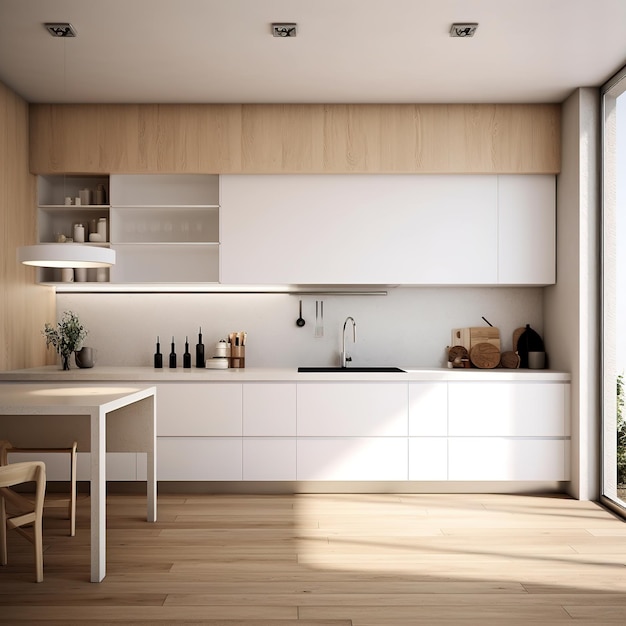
[(79, 233), (102, 228)]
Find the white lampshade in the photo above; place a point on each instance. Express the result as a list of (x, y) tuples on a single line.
[(65, 255)]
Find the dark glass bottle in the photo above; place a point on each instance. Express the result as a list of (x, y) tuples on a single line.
[(158, 357), (186, 355), (200, 351), (173, 355)]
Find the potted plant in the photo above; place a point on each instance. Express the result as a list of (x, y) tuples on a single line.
[(66, 338)]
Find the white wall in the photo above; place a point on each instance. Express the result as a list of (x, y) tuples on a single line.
[(572, 305), (408, 327)]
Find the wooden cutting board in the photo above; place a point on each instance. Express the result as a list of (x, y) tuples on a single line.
[(485, 356), (461, 337), (484, 334), (516, 335)]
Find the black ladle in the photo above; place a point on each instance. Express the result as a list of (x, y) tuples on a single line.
[(300, 321)]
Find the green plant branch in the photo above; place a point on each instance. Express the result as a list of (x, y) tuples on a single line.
[(68, 335)]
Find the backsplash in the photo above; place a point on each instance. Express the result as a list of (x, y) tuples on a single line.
[(409, 327)]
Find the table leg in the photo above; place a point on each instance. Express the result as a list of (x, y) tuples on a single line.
[(146, 412), (98, 496)]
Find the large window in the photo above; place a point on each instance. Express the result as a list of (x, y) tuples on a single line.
[(614, 292)]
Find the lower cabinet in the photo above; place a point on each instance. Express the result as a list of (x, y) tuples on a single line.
[(353, 458), (357, 431), (199, 458), (428, 458), (267, 458), (507, 458)]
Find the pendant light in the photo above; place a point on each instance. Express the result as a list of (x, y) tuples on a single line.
[(65, 255)]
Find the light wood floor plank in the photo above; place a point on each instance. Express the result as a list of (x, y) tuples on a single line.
[(329, 560)]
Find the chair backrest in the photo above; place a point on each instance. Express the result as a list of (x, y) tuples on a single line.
[(18, 473)]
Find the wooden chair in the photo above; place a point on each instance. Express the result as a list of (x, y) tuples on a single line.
[(28, 512), (70, 502)]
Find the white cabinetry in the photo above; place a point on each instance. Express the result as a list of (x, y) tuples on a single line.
[(508, 431), (428, 429), (362, 431), (352, 431), (199, 429), (526, 230), (507, 409), (165, 228), (388, 229), (359, 229), (269, 431), (507, 458), (204, 410)]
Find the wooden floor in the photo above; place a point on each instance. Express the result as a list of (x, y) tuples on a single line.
[(329, 560)]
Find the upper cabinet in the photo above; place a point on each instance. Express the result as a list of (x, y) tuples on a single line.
[(388, 229), (526, 230), (68, 201), (165, 228)]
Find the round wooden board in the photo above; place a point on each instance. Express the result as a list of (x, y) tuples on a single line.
[(485, 356), (510, 360)]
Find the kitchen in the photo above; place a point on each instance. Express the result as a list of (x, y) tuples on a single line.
[(416, 330), (409, 326)]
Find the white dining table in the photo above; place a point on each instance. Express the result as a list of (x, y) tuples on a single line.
[(101, 418)]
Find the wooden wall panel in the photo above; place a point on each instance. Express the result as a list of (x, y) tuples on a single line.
[(293, 138), (24, 306), (135, 138), (282, 138)]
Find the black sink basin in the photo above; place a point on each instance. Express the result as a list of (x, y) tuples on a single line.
[(349, 369)]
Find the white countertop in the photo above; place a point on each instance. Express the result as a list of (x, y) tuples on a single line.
[(106, 373)]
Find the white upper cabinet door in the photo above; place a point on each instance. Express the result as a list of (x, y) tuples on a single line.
[(527, 230), (359, 229)]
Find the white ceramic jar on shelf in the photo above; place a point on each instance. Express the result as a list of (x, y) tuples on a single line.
[(79, 233), (102, 228)]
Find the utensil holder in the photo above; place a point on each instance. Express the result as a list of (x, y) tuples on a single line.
[(237, 357)]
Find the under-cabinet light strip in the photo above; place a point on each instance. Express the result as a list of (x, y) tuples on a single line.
[(133, 290)]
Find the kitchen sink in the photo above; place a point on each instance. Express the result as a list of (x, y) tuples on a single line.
[(349, 369)]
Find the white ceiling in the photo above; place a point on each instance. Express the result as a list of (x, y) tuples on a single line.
[(346, 50)]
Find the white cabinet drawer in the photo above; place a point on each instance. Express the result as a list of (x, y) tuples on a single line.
[(366, 458), (269, 409), (428, 458), (507, 409), (269, 459), (190, 458), (203, 410), (428, 409), (352, 410), (500, 458)]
